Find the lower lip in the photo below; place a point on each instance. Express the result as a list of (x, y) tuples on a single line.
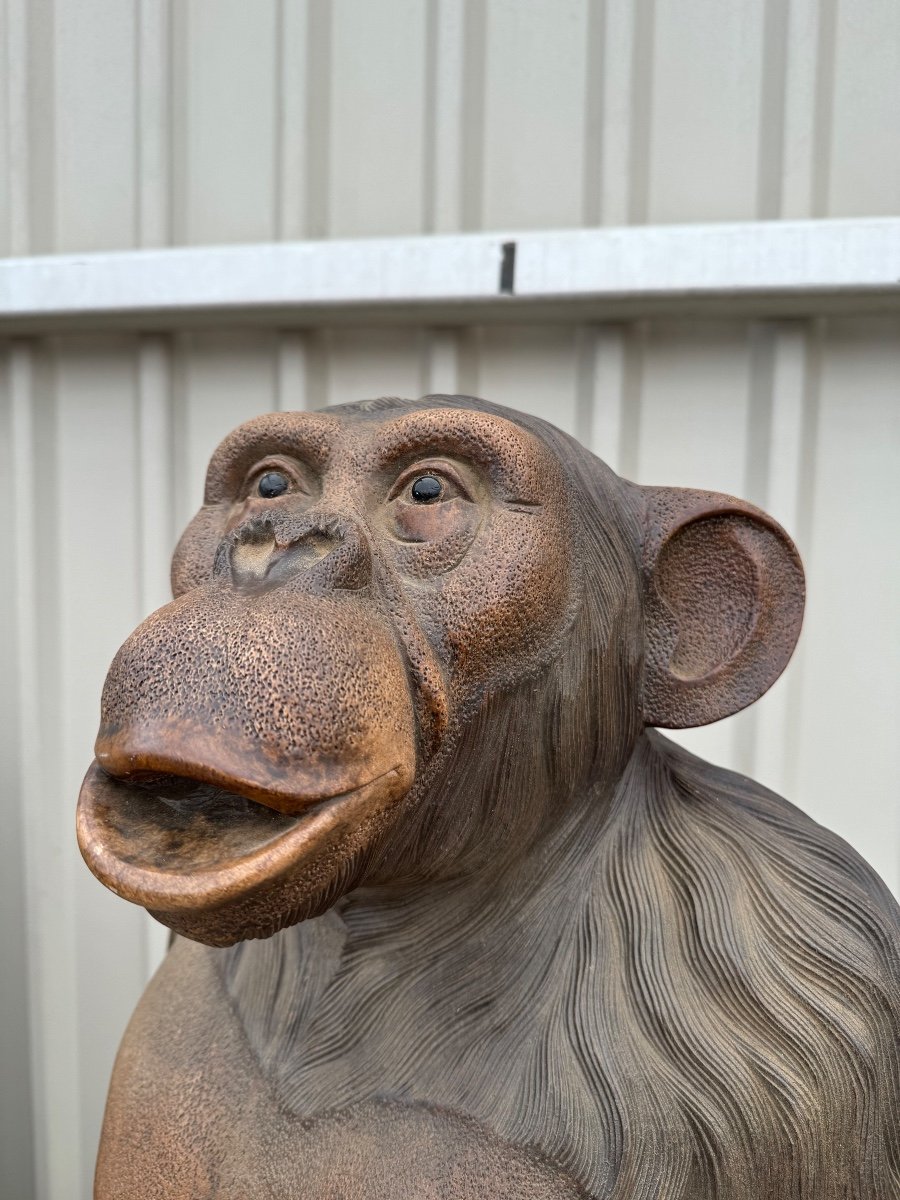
[(180, 855)]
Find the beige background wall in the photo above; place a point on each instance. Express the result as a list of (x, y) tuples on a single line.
[(140, 123)]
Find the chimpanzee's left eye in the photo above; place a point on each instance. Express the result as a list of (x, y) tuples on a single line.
[(272, 484), (426, 489)]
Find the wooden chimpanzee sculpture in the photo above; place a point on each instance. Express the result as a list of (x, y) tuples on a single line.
[(398, 716)]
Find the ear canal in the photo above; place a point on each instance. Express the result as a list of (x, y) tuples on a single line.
[(724, 595)]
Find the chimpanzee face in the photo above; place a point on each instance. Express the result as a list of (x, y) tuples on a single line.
[(351, 586)]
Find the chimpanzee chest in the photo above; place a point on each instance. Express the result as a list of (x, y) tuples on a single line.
[(191, 1116), (373, 1151), (384, 1151)]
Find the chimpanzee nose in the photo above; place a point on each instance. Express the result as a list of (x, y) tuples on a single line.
[(319, 550)]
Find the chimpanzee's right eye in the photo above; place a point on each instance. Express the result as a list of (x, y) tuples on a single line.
[(272, 484), (426, 489)]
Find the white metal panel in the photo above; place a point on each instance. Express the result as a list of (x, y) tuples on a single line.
[(863, 168), (617, 103), (293, 371), (287, 118), (16, 1087), (96, 519), (48, 859), (221, 379), (95, 107), (6, 97), (804, 131), (31, 96), (154, 119), (608, 382), (224, 120), (376, 151), (357, 358), (705, 98), (780, 480), (294, 133), (448, 93), (848, 751), (536, 61), (532, 368)]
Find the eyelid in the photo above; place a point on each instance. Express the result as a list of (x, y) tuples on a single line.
[(439, 467), (273, 463)]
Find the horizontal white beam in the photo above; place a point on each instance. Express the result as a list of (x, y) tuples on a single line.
[(765, 267), (763, 257)]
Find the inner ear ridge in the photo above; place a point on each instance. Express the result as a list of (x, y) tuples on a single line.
[(705, 649)]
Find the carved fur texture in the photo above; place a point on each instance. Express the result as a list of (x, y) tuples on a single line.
[(699, 997)]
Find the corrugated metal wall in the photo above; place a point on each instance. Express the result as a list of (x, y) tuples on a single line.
[(146, 123)]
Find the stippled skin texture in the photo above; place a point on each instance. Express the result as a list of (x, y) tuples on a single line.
[(515, 943), (192, 1115)]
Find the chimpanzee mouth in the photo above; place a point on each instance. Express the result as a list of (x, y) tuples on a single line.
[(171, 843)]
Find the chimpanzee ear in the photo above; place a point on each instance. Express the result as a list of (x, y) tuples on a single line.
[(724, 595)]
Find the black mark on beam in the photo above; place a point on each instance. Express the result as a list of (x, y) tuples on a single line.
[(508, 268)]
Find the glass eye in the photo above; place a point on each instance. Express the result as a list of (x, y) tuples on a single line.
[(426, 489), (273, 484)]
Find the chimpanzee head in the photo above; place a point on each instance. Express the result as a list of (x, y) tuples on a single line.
[(408, 639)]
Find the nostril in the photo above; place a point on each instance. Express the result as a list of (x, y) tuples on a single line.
[(251, 560), (305, 552), (329, 552), (311, 548), (258, 560)]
